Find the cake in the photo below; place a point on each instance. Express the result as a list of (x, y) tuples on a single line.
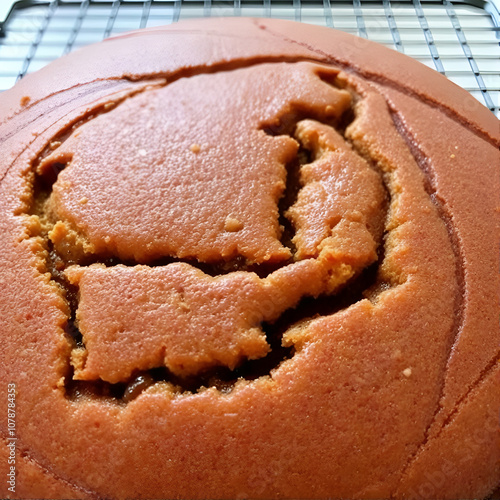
[(247, 258)]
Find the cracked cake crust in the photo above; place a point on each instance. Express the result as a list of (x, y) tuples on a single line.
[(370, 382)]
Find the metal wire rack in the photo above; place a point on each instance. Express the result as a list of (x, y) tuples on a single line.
[(458, 38)]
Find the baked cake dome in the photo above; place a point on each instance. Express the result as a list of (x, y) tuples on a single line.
[(248, 258)]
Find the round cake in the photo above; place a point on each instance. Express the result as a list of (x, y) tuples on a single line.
[(247, 258)]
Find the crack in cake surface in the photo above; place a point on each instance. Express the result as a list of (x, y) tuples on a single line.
[(446, 216), (317, 261)]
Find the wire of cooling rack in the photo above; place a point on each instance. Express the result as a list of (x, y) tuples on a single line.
[(359, 18), (76, 26), (396, 37), (111, 18), (327, 8), (458, 38), (468, 53), (428, 36)]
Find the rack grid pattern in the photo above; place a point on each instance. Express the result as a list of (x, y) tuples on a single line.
[(460, 40)]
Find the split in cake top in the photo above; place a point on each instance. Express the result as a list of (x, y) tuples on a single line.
[(207, 170)]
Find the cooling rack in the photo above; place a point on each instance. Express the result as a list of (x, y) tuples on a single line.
[(458, 38)]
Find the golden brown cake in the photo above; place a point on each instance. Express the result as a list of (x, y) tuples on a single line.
[(247, 259)]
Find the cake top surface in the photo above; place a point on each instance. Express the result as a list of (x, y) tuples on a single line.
[(233, 261)]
